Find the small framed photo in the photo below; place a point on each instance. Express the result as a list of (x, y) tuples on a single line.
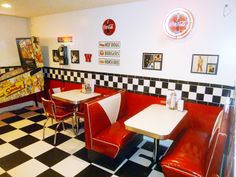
[(152, 61), (74, 56), (204, 64), (55, 55)]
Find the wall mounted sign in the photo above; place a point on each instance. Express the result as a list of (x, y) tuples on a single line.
[(178, 23), (109, 61), (109, 53), (64, 39), (109, 27), (109, 44), (74, 56), (204, 64), (88, 57)]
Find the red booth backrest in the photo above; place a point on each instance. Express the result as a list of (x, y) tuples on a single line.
[(100, 114)]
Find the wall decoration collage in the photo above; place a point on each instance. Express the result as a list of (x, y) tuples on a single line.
[(109, 51)]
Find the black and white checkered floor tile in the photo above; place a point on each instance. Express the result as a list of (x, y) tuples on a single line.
[(23, 152)]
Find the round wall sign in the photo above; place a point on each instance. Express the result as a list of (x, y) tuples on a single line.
[(109, 27), (178, 23)]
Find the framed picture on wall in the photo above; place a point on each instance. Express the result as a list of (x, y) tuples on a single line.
[(55, 55), (205, 64), (152, 61), (74, 56)]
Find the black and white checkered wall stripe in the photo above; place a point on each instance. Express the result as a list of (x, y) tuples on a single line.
[(204, 93)]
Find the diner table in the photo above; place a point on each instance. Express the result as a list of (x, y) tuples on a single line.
[(156, 121), (75, 97)]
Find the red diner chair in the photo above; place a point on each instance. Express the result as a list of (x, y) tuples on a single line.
[(57, 114)]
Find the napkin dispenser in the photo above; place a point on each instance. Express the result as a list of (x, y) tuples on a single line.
[(88, 86)]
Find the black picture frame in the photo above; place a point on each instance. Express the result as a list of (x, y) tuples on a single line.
[(75, 56), (55, 55), (205, 64), (152, 61)]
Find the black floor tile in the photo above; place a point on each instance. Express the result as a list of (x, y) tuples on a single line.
[(12, 160), (2, 142), (131, 169), (81, 137), (24, 141), (6, 129), (12, 119), (60, 128), (61, 138), (148, 146), (5, 175), (32, 128), (50, 173), (38, 118), (92, 171), (52, 157), (39, 111), (82, 154), (20, 111)]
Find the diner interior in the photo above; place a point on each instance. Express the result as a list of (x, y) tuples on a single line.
[(117, 88)]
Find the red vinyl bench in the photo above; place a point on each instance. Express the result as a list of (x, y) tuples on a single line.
[(196, 152)]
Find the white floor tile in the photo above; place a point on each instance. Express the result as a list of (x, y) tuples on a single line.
[(6, 149), (72, 164), (1, 171), (30, 168), (140, 160), (10, 136), (37, 148), (39, 134), (155, 173), (49, 122), (22, 123), (28, 114), (71, 146)]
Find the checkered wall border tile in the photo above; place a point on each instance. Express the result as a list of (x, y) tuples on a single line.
[(204, 93), (7, 69)]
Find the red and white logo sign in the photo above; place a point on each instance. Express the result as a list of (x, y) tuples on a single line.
[(178, 23), (88, 57), (109, 27)]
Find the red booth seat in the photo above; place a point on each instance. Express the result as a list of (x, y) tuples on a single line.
[(104, 124), (197, 153)]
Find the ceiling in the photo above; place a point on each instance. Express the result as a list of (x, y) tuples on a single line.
[(34, 8)]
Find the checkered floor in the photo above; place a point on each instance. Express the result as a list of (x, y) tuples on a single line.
[(23, 153)]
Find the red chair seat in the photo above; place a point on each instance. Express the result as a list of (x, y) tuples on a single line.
[(62, 113), (188, 154)]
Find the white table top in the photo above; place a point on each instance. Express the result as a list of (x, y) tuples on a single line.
[(155, 121), (74, 96)]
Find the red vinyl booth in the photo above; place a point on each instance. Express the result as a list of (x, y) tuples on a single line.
[(104, 124), (197, 153)]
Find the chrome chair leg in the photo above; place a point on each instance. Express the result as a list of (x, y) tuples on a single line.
[(63, 125), (44, 126), (55, 136)]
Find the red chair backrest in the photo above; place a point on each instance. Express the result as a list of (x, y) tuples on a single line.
[(49, 107)]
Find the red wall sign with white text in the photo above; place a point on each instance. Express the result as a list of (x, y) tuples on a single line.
[(178, 23), (109, 27)]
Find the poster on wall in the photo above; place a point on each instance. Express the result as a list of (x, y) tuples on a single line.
[(74, 56), (55, 55), (205, 64), (26, 52), (22, 85)]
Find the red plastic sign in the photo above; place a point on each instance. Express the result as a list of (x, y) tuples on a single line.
[(88, 57), (109, 27)]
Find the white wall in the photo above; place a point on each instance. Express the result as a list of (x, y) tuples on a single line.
[(140, 29), (10, 29)]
